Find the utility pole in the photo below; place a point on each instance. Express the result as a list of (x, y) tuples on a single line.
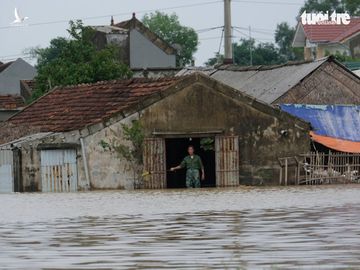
[(228, 59), (250, 44)]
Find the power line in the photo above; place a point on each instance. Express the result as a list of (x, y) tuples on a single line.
[(118, 14), (268, 2), (200, 31)]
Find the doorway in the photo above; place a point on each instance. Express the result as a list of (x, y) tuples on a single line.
[(176, 150)]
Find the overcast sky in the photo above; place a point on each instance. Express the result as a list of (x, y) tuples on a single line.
[(48, 19)]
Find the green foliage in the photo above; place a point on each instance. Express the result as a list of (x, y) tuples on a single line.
[(262, 53), (131, 151), (207, 144), (168, 27), (284, 35), (217, 59), (350, 6), (343, 57), (76, 60)]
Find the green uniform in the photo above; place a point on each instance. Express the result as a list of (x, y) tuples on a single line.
[(193, 165)]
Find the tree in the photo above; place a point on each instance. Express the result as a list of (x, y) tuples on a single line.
[(284, 35), (262, 53), (217, 59), (350, 6), (247, 53), (76, 60), (168, 27)]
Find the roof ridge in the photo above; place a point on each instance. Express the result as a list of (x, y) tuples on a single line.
[(233, 67)]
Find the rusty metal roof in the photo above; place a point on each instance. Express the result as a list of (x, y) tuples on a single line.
[(265, 83)]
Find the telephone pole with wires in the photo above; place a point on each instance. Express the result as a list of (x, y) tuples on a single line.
[(228, 57)]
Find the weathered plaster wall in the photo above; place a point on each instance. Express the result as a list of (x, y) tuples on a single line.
[(199, 108), (107, 170), (329, 84)]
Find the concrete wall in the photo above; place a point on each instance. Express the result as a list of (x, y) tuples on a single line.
[(10, 77), (329, 84), (145, 54)]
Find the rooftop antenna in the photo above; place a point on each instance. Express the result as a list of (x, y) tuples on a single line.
[(228, 59)]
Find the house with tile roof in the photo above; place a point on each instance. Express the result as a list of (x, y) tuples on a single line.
[(246, 136), (318, 40), (9, 105), (11, 96), (139, 47)]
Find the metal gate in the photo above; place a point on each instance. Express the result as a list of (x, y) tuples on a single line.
[(227, 161), (58, 170), (155, 163), (6, 171)]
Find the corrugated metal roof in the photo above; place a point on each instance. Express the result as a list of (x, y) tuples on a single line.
[(336, 121), (266, 83)]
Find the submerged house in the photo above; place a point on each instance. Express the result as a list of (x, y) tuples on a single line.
[(248, 135), (323, 81), (335, 134)]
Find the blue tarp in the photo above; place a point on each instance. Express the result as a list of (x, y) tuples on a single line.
[(337, 121)]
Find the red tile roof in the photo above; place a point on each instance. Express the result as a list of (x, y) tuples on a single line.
[(75, 107), (11, 102), (331, 32)]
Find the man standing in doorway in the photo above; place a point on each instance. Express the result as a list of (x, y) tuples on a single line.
[(193, 165)]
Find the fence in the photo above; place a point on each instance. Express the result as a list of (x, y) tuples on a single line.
[(321, 168)]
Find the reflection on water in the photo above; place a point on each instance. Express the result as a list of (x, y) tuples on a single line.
[(245, 228)]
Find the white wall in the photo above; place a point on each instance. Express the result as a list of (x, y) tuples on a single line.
[(145, 54)]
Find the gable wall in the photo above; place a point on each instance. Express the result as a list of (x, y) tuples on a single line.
[(145, 54), (199, 108), (329, 84), (10, 77)]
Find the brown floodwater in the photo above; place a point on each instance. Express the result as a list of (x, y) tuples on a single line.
[(242, 228)]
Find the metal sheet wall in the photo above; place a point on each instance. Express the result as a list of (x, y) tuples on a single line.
[(6, 171), (155, 163), (227, 161), (59, 170)]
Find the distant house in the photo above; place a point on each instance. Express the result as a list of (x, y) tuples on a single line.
[(12, 73), (11, 94), (247, 136), (140, 48), (323, 81), (320, 39), (9, 105)]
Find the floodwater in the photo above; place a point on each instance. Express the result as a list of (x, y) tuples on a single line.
[(243, 228)]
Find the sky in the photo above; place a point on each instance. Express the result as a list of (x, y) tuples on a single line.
[(48, 19)]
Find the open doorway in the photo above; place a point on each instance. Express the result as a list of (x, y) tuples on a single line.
[(176, 150)]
